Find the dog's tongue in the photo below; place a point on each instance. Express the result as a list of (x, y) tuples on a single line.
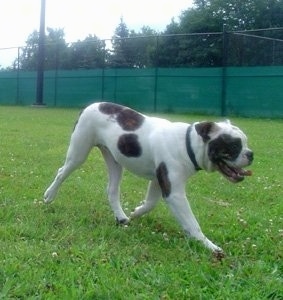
[(240, 173), (232, 173), (246, 172)]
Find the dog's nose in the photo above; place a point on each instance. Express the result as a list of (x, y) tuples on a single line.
[(250, 155)]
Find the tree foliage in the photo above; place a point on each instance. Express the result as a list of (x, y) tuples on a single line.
[(86, 54), (133, 49), (178, 45), (210, 16)]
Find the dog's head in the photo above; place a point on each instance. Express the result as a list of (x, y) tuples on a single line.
[(226, 149)]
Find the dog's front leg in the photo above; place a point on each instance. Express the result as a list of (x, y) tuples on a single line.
[(181, 209)]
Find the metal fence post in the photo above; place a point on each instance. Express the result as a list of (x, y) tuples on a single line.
[(40, 67), (156, 75), (224, 73), (103, 71), (18, 78), (56, 74)]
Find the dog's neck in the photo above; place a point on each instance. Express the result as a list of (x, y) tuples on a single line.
[(190, 150)]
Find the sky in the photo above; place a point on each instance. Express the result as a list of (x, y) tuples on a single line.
[(19, 18)]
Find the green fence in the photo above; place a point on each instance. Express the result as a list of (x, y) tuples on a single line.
[(250, 91)]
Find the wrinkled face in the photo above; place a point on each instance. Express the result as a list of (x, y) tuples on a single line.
[(229, 153), (227, 149)]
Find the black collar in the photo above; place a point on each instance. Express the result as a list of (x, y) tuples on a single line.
[(190, 149)]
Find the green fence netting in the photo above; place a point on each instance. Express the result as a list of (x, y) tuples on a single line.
[(244, 91)]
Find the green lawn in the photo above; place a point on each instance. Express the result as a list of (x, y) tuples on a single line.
[(72, 249)]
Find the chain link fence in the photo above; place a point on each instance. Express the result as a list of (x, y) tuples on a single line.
[(239, 48), (204, 72), (263, 47)]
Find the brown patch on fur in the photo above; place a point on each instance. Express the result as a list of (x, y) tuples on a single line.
[(204, 129), (110, 108), (129, 145), (128, 119), (163, 179)]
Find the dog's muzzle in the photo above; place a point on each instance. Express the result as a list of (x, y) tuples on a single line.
[(233, 172)]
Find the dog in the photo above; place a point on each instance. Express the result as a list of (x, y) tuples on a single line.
[(166, 153)]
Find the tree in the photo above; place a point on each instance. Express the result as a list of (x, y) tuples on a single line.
[(144, 46), (122, 52), (133, 49), (55, 46), (28, 58), (209, 16), (179, 45), (87, 54), (169, 46), (56, 49)]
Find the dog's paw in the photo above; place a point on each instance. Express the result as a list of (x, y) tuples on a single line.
[(133, 214), (218, 254), (137, 212), (217, 249), (122, 222), (47, 197)]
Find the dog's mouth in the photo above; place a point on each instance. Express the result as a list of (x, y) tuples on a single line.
[(232, 173)]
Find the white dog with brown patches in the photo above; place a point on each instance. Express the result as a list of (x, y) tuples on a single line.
[(166, 153)]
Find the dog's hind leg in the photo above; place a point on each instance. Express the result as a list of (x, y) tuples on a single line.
[(77, 153), (152, 197), (113, 189)]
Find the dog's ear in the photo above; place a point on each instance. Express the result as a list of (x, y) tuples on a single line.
[(205, 128)]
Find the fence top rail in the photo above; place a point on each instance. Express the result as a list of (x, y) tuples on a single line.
[(135, 37), (257, 30), (172, 35), (10, 48), (258, 37)]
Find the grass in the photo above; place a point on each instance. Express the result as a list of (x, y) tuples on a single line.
[(72, 249)]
